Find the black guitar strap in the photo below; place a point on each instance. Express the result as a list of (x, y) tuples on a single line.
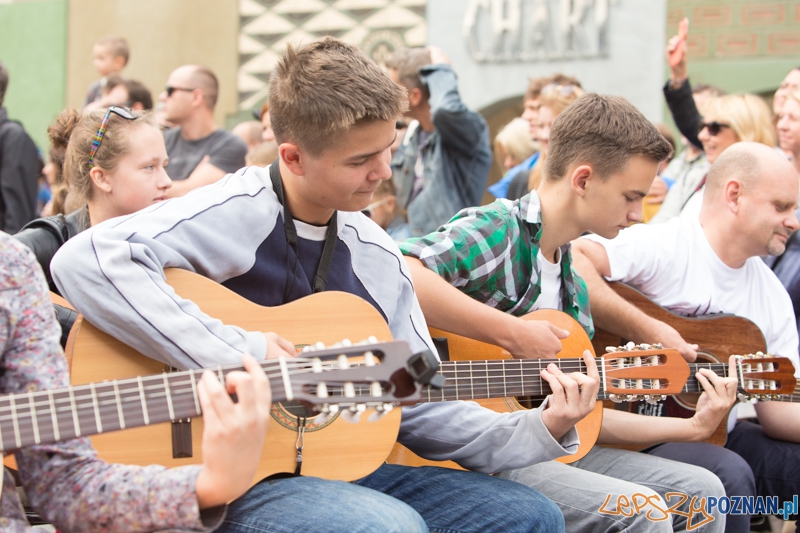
[(321, 277)]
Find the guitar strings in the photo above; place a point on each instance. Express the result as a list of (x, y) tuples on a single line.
[(177, 391), (449, 367)]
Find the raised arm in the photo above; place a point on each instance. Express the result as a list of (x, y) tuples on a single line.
[(613, 313)]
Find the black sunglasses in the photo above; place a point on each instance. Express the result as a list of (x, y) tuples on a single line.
[(713, 127), (123, 112), (170, 89)]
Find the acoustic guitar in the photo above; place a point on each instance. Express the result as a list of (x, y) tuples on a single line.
[(328, 449), (760, 376), (719, 336), (374, 375)]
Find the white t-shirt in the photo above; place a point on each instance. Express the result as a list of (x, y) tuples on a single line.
[(674, 265), (693, 206), (550, 295)]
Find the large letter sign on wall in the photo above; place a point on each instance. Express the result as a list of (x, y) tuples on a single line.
[(529, 30)]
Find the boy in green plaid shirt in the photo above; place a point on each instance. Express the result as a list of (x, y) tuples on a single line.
[(602, 157), (489, 265)]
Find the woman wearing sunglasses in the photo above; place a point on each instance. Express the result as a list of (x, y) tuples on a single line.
[(114, 165), (725, 120)]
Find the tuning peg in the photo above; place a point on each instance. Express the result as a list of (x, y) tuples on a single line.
[(380, 411), (326, 412), (353, 414), (654, 398)]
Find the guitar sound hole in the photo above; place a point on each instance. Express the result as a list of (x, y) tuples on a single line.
[(530, 402), (298, 410)]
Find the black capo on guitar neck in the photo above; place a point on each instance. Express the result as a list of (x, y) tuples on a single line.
[(423, 368)]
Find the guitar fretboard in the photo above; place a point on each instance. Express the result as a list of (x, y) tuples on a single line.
[(45, 417), (473, 380)]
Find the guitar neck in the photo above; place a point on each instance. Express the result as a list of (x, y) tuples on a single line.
[(50, 416), (474, 380), (721, 369)]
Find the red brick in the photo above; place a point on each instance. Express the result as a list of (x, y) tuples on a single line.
[(737, 44), (674, 16), (697, 45), (784, 43), (763, 14), (712, 16)]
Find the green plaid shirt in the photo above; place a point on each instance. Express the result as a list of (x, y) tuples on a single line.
[(489, 253)]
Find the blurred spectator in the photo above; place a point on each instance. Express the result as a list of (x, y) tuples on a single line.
[(513, 144), (108, 181), (687, 169), (531, 114), (443, 163), (262, 155), (387, 213), (250, 131), (789, 127), (266, 123), (727, 120), (20, 166), (199, 152), (553, 100), (790, 83), (662, 183), (401, 127), (126, 93), (111, 54)]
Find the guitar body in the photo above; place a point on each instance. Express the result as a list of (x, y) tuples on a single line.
[(333, 450), (466, 349), (718, 336)]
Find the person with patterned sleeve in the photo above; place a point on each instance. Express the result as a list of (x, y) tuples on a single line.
[(66, 483)]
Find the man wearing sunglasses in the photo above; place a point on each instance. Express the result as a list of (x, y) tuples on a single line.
[(199, 152)]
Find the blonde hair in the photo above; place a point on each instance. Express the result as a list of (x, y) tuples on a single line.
[(515, 140), (113, 148), (747, 114), (118, 46), (557, 98)]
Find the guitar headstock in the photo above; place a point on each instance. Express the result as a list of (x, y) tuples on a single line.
[(642, 372), (353, 378), (764, 377)]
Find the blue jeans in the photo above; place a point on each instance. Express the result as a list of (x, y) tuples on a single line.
[(394, 499)]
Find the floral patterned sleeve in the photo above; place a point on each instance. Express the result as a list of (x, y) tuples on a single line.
[(66, 483)]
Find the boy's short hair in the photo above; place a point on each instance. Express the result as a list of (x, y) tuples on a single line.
[(117, 45), (407, 62), (604, 132), (319, 90), (138, 92)]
